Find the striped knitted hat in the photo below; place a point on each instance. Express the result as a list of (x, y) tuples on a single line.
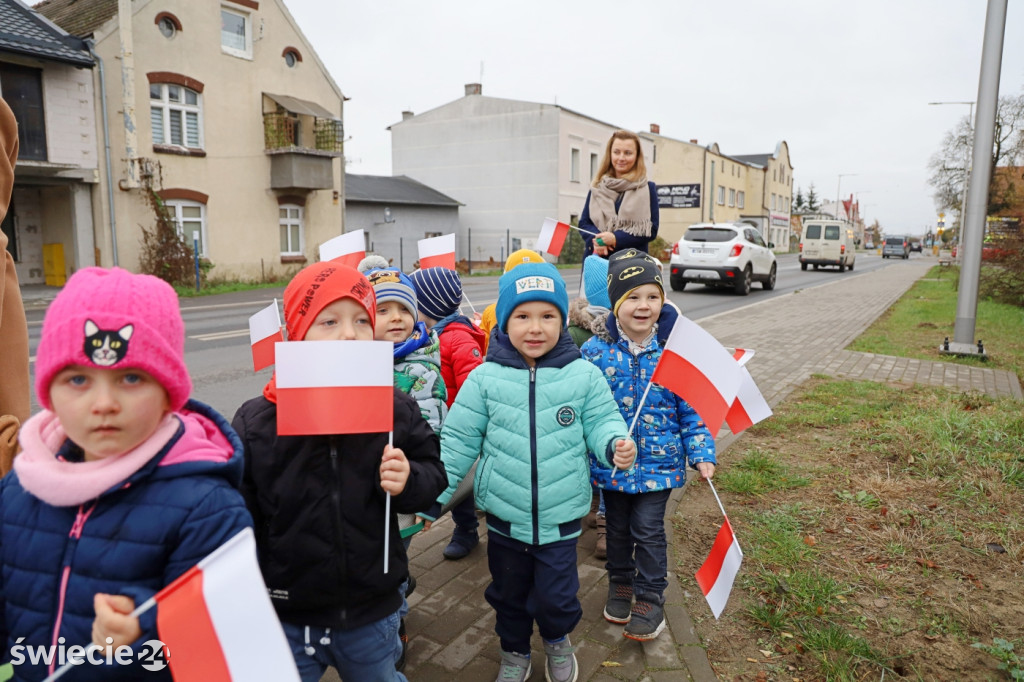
[(438, 291)]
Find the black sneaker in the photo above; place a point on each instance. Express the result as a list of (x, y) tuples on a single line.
[(620, 598), (400, 664), (646, 621)]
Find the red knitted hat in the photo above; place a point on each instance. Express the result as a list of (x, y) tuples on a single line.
[(317, 286)]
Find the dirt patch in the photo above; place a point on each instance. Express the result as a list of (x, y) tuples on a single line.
[(908, 564)]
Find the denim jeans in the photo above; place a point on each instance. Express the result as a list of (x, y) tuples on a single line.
[(464, 515), (365, 654), (637, 547)]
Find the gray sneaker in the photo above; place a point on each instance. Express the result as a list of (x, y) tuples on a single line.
[(646, 621), (561, 663), (620, 599), (514, 667)]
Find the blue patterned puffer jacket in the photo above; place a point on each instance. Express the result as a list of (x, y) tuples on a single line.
[(669, 433)]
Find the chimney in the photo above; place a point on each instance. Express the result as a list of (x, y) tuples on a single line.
[(693, 141), (473, 89), (406, 115), (656, 129)]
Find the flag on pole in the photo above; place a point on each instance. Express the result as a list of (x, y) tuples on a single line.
[(717, 573), (437, 252), (552, 236), (218, 623), (326, 387), (699, 370), (749, 407), (264, 332), (742, 355), (348, 249)]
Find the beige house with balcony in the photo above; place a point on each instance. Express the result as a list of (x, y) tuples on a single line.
[(702, 184), (225, 110)]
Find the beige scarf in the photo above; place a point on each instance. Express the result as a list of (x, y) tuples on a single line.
[(634, 214)]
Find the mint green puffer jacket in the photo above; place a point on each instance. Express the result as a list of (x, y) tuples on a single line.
[(531, 429)]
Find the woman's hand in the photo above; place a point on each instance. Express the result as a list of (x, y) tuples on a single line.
[(394, 470), (608, 238)]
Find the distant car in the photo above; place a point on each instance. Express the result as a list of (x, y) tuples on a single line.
[(827, 242), (869, 245), (896, 247), (722, 254), (916, 246)]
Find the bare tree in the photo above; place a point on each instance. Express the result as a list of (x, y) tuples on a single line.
[(946, 166)]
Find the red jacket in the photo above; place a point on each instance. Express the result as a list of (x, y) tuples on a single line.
[(462, 350)]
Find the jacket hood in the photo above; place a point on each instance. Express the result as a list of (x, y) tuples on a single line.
[(460, 322), (504, 353), (194, 440), (607, 330)]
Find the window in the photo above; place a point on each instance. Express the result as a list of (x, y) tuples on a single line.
[(721, 195), (190, 217), (593, 166), (574, 166), (290, 220), (235, 33), (832, 232), (23, 90), (773, 202), (732, 197), (775, 174), (812, 232), (290, 59), (175, 114), (741, 198)]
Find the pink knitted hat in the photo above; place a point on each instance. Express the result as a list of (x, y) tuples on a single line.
[(115, 319)]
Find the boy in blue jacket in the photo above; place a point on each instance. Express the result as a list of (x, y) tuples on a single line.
[(530, 413), (668, 433)]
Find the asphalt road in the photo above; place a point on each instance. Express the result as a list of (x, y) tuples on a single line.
[(217, 332)]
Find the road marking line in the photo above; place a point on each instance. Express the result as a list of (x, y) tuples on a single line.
[(217, 336)]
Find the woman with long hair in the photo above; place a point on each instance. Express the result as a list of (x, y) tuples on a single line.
[(621, 210)]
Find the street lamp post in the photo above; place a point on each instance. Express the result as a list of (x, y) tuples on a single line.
[(838, 185), (967, 160)]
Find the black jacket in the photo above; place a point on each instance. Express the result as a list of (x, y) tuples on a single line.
[(318, 511)]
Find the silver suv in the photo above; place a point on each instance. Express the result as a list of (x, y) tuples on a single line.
[(722, 254), (896, 247)]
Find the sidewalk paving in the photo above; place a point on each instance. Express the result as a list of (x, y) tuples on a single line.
[(451, 626)]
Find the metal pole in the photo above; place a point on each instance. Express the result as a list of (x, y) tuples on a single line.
[(967, 171), (401, 256), (106, 150), (977, 195), (195, 254), (508, 242), (711, 210), (469, 235)]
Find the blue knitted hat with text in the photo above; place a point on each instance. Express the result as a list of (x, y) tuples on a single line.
[(530, 282)]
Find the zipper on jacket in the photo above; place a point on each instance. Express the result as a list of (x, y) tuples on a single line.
[(74, 536), (338, 518), (533, 456)]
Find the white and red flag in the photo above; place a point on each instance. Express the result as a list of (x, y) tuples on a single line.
[(326, 387), (742, 355), (437, 252), (552, 236), (347, 249), (218, 623), (699, 370), (717, 573), (264, 332), (750, 407)]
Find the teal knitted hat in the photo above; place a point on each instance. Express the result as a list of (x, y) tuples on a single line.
[(530, 282)]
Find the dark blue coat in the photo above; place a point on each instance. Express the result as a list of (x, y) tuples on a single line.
[(623, 240), (134, 539)]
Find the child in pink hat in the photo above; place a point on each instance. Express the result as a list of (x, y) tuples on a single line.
[(122, 485)]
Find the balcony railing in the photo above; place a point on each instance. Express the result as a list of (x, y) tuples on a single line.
[(282, 133)]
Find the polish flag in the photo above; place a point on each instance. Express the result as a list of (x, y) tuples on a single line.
[(699, 370), (717, 573), (327, 387), (742, 355), (552, 236), (749, 407), (347, 249), (217, 621), (264, 332), (437, 252)]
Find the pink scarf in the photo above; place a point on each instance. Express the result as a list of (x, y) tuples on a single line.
[(67, 484)]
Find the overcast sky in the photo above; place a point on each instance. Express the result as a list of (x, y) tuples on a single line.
[(845, 84)]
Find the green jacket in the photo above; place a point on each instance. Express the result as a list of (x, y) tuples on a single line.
[(531, 429)]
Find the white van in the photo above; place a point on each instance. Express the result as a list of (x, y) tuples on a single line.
[(827, 242)]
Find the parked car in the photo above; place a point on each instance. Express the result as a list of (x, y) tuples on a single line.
[(870, 245), (827, 242), (896, 247), (722, 254)]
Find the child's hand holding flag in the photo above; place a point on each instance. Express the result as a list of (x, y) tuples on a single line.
[(625, 453), (394, 470)]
